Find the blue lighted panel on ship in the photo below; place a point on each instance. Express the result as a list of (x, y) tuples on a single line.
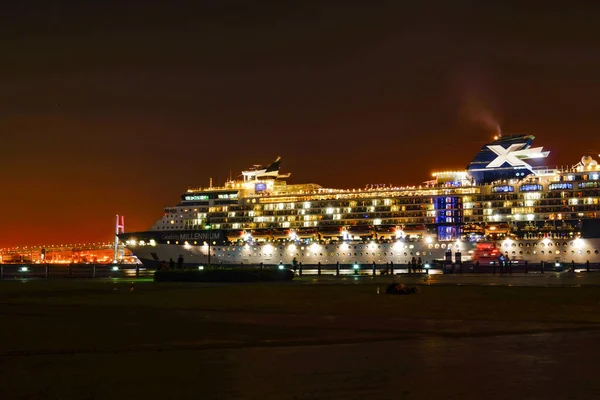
[(449, 217)]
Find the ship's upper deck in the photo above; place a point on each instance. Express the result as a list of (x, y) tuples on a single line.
[(500, 162)]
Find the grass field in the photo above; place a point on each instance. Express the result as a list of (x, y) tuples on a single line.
[(114, 320)]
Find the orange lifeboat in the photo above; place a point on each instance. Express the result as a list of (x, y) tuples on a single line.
[(330, 231), (415, 230), (386, 231), (306, 233), (472, 228), (235, 235), (501, 228), (361, 231), (281, 233), (260, 234)]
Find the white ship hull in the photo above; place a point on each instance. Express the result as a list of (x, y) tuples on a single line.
[(365, 254)]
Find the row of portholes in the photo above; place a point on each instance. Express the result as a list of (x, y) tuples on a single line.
[(431, 246), (557, 252), (412, 253), (443, 246), (535, 244), (418, 253), (303, 248)]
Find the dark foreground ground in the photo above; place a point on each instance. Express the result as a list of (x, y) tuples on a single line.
[(116, 339)]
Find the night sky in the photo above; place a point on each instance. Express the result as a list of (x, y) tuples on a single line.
[(118, 109)]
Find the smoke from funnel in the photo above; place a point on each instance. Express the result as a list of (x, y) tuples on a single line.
[(477, 105), (480, 114)]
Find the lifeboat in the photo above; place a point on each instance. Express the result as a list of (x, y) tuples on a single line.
[(260, 234), (472, 228), (330, 231), (501, 228), (306, 233), (566, 227), (281, 233), (386, 231), (361, 231), (415, 230), (235, 235)]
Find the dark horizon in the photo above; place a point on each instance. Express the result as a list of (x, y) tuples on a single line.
[(117, 109)]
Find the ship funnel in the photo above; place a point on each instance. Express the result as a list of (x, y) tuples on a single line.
[(504, 159)]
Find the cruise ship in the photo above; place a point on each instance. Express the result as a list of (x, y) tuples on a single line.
[(506, 202)]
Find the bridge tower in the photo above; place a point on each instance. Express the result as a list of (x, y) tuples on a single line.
[(119, 228)]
